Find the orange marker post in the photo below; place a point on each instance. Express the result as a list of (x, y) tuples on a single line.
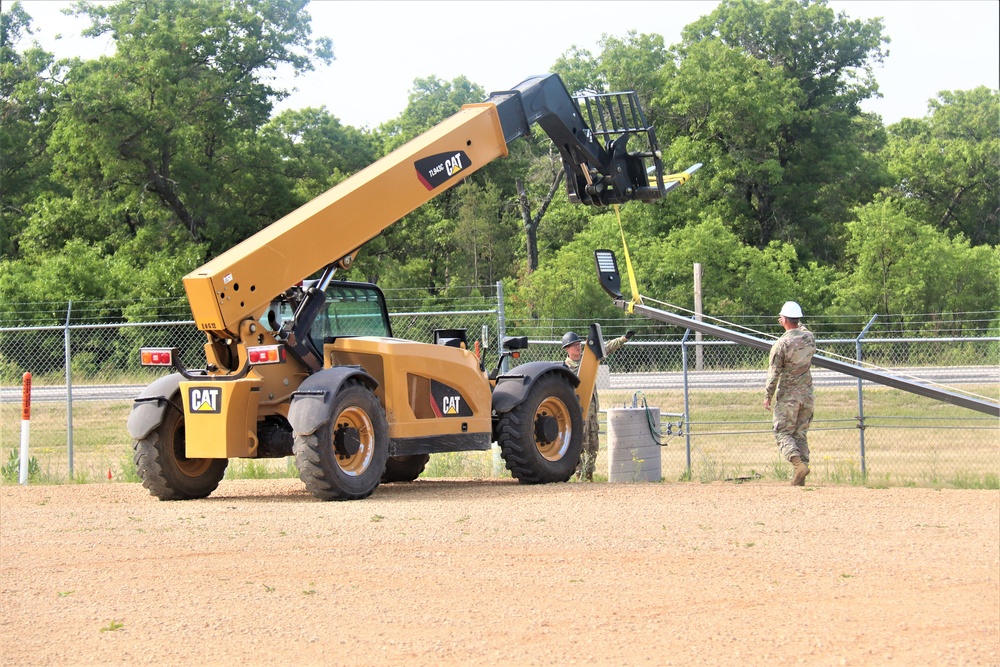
[(25, 425)]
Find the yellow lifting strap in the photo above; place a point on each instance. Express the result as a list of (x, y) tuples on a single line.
[(636, 298), (681, 177)]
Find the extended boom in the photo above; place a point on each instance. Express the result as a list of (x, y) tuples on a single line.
[(308, 367)]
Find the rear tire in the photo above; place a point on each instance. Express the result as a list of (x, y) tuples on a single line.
[(345, 458), (165, 470), (541, 438), (404, 468)]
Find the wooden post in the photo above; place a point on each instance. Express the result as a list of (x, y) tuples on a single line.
[(699, 361)]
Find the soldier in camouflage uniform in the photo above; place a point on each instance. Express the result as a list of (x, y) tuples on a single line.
[(788, 373), (591, 430)]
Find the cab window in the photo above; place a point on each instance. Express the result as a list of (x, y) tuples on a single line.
[(351, 310)]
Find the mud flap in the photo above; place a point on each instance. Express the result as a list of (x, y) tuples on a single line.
[(310, 405), (150, 406), (512, 388)]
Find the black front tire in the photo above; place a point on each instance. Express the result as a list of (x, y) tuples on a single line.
[(550, 409), (404, 468), (165, 471), (330, 474)]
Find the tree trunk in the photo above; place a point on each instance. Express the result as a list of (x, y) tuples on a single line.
[(531, 222)]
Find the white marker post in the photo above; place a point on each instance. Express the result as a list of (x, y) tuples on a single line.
[(25, 425)]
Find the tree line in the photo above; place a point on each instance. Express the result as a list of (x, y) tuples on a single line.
[(123, 173)]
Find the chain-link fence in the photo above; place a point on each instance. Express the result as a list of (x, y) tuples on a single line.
[(709, 393)]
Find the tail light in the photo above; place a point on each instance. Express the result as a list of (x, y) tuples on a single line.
[(266, 354), (155, 356)]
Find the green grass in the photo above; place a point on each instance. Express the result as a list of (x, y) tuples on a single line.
[(909, 441), (262, 469), (466, 465)]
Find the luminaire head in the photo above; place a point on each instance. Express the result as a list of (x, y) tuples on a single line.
[(607, 272)]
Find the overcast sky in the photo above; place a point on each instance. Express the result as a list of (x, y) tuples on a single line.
[(382, 46)]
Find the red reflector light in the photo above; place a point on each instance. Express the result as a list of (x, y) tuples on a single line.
[(154, 357), (267, 354)]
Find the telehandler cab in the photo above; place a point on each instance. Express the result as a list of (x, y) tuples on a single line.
[(310, 368)]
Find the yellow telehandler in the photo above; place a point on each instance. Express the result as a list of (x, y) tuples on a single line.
[(310, 368)]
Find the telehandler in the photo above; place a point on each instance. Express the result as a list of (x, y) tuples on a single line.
[(309, 367)]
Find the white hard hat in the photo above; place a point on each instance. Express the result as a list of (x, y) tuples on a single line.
[(792, 310)]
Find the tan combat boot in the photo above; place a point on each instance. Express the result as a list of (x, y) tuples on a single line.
[(800, 469)]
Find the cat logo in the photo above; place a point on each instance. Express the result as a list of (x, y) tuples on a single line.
[(447, 401), (451, 405), (436, 170), (207, 400)]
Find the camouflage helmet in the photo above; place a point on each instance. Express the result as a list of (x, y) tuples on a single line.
[(569, 338)]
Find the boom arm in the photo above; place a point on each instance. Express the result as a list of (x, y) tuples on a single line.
[(240, 283)]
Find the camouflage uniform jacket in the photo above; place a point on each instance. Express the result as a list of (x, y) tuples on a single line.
[(788, 365), (609, 347)]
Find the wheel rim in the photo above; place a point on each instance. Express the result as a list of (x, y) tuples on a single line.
[(555, 408), (192, 468), (356, 418)]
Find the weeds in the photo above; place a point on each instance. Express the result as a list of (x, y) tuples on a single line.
[(82, 477), (637, 468), (127, 471), (842, 471), (972, 481), (261, 469), (113, 626), (12, 471), (475, 465)]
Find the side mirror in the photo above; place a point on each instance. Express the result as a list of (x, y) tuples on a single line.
[(515, 343)]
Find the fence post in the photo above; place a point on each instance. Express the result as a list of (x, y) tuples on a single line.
[(69, 390), (687, 415), (861, 398), (501, 327)]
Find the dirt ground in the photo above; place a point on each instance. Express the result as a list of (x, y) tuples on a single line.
[(462, 572)]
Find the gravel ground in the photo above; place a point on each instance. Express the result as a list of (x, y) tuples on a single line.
[(491, 572)]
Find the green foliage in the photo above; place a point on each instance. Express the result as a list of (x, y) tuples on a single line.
[(486, 236), (28, 95), (766, 94), (901, 265), (124, 173), (431, 101), (163, 132), (947, 166), (316, 151), (261, 469), (563, 287), (74, 271), (11, 471), (830, 55), (738, 279), (127, 471), (477, 465)]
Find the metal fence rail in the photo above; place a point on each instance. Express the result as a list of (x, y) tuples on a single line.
[(709, 393)]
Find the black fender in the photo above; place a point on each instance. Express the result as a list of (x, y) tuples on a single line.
[(512, 388), (310, 404), (151, 405)]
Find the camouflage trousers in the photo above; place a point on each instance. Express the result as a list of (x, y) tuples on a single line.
[(792, 416), (591, 443)]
